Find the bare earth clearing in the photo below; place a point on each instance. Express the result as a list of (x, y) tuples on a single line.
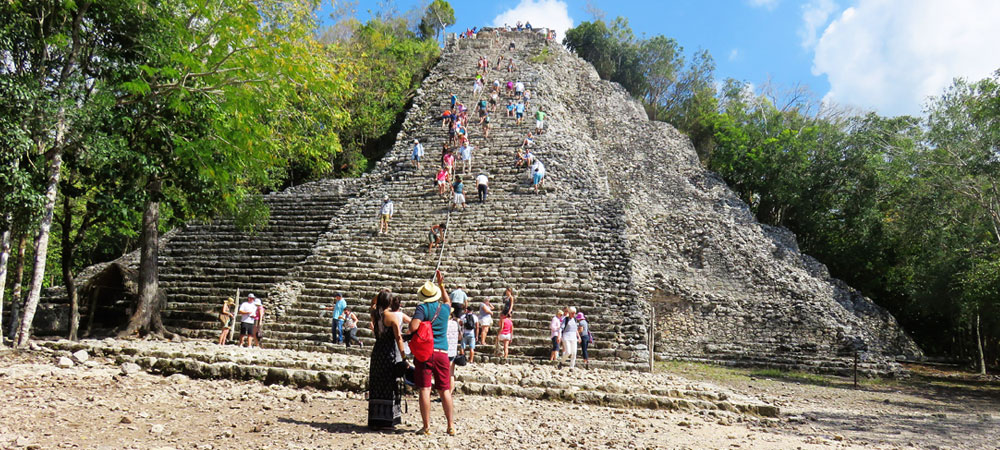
[(96, 406)]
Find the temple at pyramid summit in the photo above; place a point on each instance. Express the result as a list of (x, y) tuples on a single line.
[(628, 227)]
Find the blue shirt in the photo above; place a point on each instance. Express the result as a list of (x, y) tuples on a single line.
[(339, 308), (459, 187), (439, 327), (520, 107), (458, 296)]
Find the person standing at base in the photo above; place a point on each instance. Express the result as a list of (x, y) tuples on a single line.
[(585, 337), (337, 325), (485, 320), (258, 322), (555, 328), (482, 186), (437, 368), (227, 317), (506, 335), (570, 334), (469, 323), (384, 393), (247, 312)]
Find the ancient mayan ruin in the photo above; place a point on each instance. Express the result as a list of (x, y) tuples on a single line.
[(660, 254)]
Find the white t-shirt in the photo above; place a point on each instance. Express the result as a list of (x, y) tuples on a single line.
[(538, 167), (481, 179), (387, 208), (452, 338), (247, 312), (519, 86)]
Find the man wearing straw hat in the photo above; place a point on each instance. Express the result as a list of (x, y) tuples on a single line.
[(435, 306)]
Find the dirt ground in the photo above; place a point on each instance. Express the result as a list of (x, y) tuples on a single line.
[(96, 406)]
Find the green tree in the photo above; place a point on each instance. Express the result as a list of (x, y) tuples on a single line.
[(232, 93), (61, 54), (438, 16)]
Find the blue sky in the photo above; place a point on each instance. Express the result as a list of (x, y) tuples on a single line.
[(880, 55)]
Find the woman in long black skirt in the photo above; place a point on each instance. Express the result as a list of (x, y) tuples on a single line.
[(384, 392)]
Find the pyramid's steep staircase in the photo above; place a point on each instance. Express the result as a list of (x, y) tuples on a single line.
[(556, 248)]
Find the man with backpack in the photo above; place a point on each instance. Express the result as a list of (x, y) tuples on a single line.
[(429, 345), (469, 322)]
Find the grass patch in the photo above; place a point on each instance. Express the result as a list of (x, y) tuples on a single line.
[(794, 377), (542, 57), (711, 372)]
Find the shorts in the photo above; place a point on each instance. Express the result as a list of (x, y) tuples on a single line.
[(385, 217), (539, 124), (519, 115), (432, 238), (469, 341), (536, 178), (441, 182), (459, 199), (505, 337), (437, 368), (415, 157), (555, 343), (485, 321), (246, 328)]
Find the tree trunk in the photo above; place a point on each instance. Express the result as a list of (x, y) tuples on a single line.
[(67, 268), (4, 257), (44, 227), (15, 295), (146, 318), (979, 346)]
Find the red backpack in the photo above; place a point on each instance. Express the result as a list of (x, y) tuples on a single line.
[(422, 343)]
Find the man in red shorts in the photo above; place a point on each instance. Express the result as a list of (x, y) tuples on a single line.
[(434, 301)]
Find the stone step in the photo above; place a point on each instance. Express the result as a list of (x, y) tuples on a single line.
[(349, 373)]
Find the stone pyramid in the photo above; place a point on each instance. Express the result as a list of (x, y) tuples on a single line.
[(659, 253)]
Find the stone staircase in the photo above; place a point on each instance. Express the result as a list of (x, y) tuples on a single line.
[(553, 249)]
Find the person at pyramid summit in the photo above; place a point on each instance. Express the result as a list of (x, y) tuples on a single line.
[(430, 350)]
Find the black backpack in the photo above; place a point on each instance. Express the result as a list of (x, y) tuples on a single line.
[(470, 322)]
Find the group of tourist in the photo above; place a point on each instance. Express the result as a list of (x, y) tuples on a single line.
[(251, 318), (569, 327)]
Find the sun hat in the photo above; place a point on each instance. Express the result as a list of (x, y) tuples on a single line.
[(230, 301), (579, 316), (385, 198), (428, 293), (257, 302)]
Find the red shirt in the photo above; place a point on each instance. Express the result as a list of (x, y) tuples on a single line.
[(507, 327)]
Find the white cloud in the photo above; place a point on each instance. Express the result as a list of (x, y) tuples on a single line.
[(890, 55), (733, 54), (769, 4), (553, 14), (815, 15)]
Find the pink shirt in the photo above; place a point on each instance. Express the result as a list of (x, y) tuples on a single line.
[(442, 175), (555, 325), (507, 327)]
